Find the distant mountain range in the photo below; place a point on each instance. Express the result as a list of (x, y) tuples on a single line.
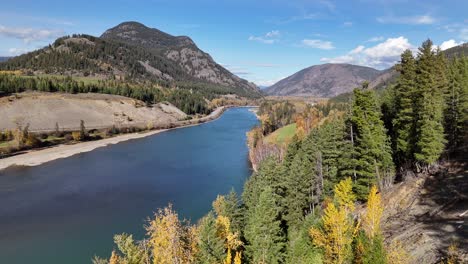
[(329, 80), (133, 51), (326, 80), (2, 59)]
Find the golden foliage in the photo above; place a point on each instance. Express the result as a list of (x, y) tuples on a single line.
[(372, 218), (171, 242), (336, 236), (238, 258), (218, 204), (16, 72), (232, 241), (453, 254), (114, 258), (396, 254), (339, 229), (307, 120), (77, 135), (344, 194)]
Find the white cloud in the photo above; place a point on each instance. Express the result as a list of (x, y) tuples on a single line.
[(17, 51), (273, 34), (348, 24), (382, 55), (318, 44), (269, 38), (449, 44), (357, 50), (411, 20), (375, 39), (267, 82), (29, 34)]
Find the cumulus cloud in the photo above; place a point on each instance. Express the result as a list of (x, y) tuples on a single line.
[(411, 20), (318, 44), (348, 24), (381, 56), (449, 44), (269, 38), (29, 35)]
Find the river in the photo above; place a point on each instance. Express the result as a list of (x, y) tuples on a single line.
[(67, 210)]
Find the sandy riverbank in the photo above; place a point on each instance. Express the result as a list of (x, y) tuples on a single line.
[(38, 157)]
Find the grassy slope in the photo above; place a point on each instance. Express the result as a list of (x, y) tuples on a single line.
[(282, 135)]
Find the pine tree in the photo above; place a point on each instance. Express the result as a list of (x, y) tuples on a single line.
[(298, 185), (371, 152), (430, 78), (265, 238), (456, 103), (404, 122), (210, 245)]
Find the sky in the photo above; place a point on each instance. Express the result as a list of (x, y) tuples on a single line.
[(261, 41)]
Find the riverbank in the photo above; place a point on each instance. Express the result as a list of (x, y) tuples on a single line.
[(38, 157)]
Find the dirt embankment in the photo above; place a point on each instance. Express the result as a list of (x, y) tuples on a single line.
[(429, 213), (42, 111)]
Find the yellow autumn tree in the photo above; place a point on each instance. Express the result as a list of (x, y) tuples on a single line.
[(171, 241), (396, 254), (232, 241), (372, 217), (339, 229), (344, 195), (114, 258), (238, 258)]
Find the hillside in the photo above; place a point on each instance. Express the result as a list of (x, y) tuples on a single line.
[(326, 80), (148, 55), (43, 110), (4, 59), (457, 51)]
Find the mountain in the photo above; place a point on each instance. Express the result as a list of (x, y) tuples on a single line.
[(4, 59), (133, 51), (326, 80), (180, 50), (457, 51)]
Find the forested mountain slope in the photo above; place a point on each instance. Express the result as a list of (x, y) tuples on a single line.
[(149, 55)]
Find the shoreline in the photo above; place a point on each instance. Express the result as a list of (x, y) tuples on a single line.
[(38, 157)]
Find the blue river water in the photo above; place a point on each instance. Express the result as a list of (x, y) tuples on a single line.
[(67, 210)]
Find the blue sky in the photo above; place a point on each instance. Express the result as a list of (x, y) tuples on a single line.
[(262, 41)]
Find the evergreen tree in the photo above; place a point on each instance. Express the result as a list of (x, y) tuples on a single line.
[(371, 151), (430, 81), (404, 122), (265, 238), (456, 103), (300, 249), (210, 245), (298, 185)]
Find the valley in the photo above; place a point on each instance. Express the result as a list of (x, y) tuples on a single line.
[(214, 132)]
